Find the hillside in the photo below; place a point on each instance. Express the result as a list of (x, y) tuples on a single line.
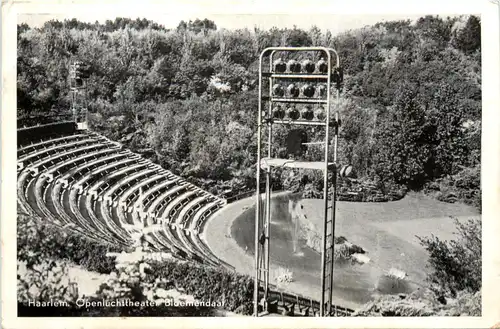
[(411, 100)]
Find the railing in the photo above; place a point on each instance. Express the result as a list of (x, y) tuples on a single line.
[(244, 195), (305, 305)]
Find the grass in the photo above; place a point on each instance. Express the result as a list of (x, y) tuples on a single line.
[(387, 231)]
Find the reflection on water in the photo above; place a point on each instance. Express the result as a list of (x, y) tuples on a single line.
[(353, 282)]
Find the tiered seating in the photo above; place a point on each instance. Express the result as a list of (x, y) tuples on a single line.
[(202, 215), (46, 143), (109, 196), (69, 172), (97, 189), (173, 206), (26, 136), (92, 185), (55, 149), (83, 182), (22, 182), (43, 165), (133, 194), (152, 194), (157, 206)]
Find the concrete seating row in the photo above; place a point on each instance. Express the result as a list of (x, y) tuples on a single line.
[(93, 185)]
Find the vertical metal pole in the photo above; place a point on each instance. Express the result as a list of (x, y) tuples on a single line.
[(325, 192), (334, 192), (257, 205), (268, 190), (72, 86)]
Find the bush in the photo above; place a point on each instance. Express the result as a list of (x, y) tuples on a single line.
[(44, 282), (206, 284), (422, 303), (399, 305), (38, 241), (131, 282), (466, 304), (456, 264), (465, 186)]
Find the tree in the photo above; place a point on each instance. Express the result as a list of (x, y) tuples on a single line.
[(468, 39), (405, 137)]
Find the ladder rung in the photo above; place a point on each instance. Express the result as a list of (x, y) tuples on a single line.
[(313, 143)]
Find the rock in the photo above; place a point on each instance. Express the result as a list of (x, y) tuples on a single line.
[(161, 293), (173, 293)]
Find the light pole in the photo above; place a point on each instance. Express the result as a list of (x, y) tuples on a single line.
[(278, 105)]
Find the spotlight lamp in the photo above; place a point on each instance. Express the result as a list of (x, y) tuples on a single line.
[(279, 66), (308, 66), (322, 66), (293, 113), (307, 113), (338, 76), (84, 71), (293, 66), (278, 112), (308, 90), (78, 81), (293, 90), (79, 72), (321, 90), (319, 113), (278, 90)]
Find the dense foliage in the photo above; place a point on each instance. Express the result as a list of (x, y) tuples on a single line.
[(422, 303), (456, 265), (233, 290), (38, 241), (454, 279), (186, 98), (411, 104), (46, 251)]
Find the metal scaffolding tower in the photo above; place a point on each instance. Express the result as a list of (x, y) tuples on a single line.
[(78, 74), (278, 105)]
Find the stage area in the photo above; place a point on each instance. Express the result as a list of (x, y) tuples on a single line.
[(386, 231)]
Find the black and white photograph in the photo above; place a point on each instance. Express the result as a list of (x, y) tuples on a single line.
[(249, 165)]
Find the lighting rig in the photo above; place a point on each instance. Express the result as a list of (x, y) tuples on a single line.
[(79, 73), (296, 92)]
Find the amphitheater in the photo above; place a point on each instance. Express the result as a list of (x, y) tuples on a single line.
[(82, 181), (85, 182)]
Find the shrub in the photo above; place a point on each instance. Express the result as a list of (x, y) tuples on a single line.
[(206, 284), (44, 282), (38, 241), (456, 264), (466, 304), (396, 305), (465, 186), (137, 279), (422, 303)]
